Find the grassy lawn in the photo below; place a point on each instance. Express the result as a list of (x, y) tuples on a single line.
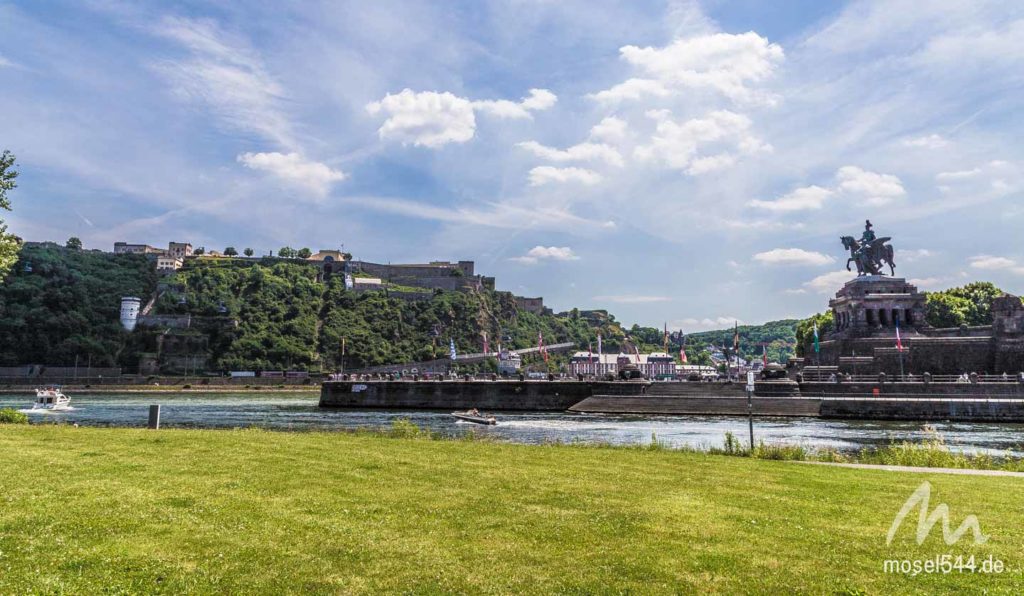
[(89, 510)]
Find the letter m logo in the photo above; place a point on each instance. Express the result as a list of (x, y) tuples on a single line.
[(925, 521)]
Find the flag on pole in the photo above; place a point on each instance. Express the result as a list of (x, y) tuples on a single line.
[(682, 349), (540, 345), (817, 346), (451, 348), (599, 345), (736, 339), (666, 338), (899, 342), (764, 354), (487, 345)]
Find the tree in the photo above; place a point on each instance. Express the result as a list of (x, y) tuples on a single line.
[(230, 251), (248, 252), (286, 252), (304, 253), (942, 309), (74, 243), (805, 332), (199, 251), (9, 243)]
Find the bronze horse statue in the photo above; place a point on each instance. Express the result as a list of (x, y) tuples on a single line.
[(870, 257)]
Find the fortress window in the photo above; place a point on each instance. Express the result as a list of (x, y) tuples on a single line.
[(870, 316), (883, 318)]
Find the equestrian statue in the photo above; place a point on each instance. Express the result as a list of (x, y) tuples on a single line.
[(869, 253)]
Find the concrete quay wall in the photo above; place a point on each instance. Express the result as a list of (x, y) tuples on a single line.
[(454, 395), (705, 406), (1007, 390), (964, 410)]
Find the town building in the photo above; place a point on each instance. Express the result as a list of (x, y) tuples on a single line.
[(329, 262), (509, 363), (121, 248), (179, 250), (367, 283), (168, 263), (653, 366)]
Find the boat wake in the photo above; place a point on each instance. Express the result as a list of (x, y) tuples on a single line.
[(47, 411)]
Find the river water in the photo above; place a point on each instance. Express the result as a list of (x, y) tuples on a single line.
[(288, 411)]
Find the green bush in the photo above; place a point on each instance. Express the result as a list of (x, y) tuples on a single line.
[(405, 429), (12, 416)]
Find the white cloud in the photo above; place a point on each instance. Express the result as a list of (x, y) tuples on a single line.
[(610, 129), (913, 255), (497, 215), (295, 169), (227, 75), (793, 256), (711, 163), (957, 175), (432, 119), (631, 299), (580, 152), (994, 263), (539, 99), (829, 283), (808, 197), (426, 119), (876, 189), (706, 324), (545, 174), (927, 282), (932, 141), (726, 63), (5, 63), (677, 144), (546, 253), (632, 89)]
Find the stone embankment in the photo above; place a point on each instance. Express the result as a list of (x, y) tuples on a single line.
[(894, 401), (723, 399)]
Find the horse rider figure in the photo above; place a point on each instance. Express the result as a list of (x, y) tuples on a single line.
[(869, 253), (864, 253)]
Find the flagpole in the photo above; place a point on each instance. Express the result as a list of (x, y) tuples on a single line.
[(899, 347)]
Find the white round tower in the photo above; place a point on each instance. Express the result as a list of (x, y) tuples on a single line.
[(130, 306)]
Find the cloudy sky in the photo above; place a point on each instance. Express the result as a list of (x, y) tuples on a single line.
[(688, 162)]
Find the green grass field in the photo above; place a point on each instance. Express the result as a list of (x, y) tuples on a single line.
[(86, 510)]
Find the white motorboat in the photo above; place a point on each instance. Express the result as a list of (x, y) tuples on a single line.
[(51, 398), (475, 417)]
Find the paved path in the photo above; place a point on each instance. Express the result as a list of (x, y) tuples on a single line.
[(960, 471)]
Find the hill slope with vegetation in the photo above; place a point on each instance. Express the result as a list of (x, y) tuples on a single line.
[(60, 303)]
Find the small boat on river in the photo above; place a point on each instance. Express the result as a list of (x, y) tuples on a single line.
[(475, 417), (51, 398)]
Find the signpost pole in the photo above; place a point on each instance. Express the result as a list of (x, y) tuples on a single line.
[(750, 407)]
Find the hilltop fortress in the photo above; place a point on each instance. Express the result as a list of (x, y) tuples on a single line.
[(361, 276)]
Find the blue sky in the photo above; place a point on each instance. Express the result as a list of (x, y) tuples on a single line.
[(684, 162)]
